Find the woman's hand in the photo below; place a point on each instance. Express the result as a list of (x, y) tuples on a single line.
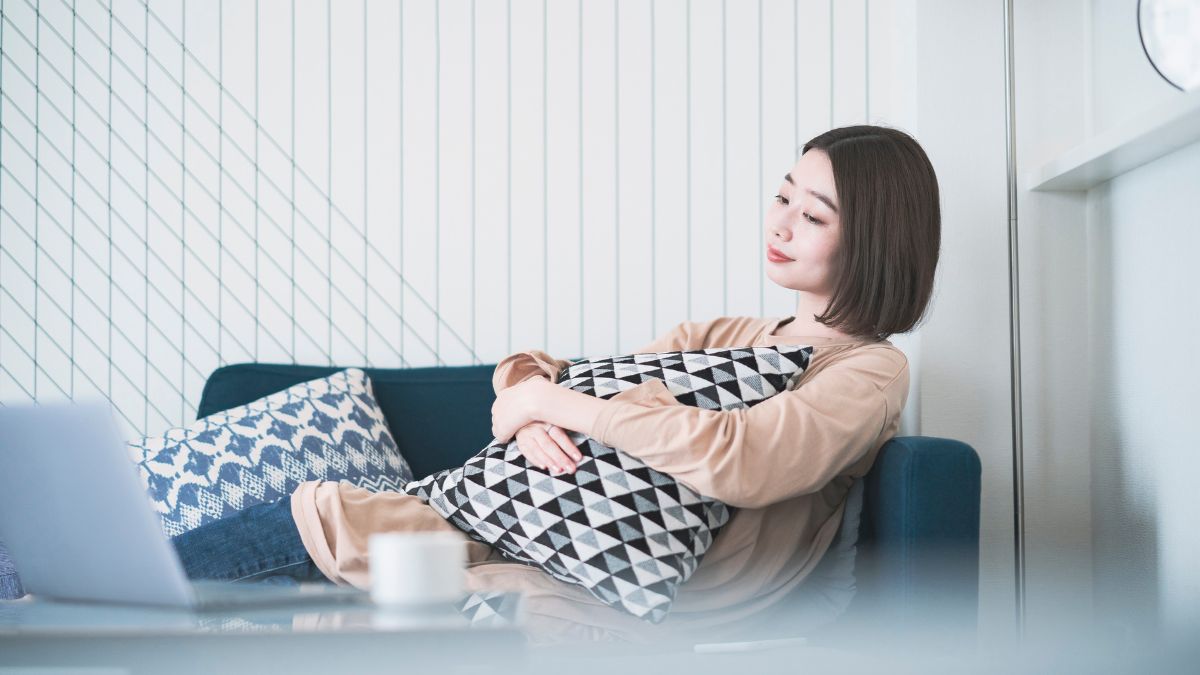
[(517, 406), (548, 447), (546, 403)]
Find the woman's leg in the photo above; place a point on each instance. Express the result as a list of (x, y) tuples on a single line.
[(258, 543), (337, 520)]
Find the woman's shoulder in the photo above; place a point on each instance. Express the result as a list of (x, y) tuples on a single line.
[(880, 361)]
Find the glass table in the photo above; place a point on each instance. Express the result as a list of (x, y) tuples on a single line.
[(478, 631)]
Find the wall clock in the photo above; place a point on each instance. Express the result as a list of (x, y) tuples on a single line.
[(1170, 34)]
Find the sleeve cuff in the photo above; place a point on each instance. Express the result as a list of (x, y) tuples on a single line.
[(308, 521), (600, 426)]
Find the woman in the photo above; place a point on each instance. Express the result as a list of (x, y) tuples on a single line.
[(855, 231)]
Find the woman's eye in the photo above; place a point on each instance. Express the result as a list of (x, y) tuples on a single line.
[(784, 200)]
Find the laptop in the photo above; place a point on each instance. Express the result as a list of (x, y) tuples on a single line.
[(79, 525)]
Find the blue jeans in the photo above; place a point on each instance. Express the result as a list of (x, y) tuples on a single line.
[(259, 543)]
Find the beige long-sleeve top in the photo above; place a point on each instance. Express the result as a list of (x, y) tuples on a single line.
[(787, 463)]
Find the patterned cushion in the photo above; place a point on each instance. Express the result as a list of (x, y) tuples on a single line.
[(627, 533), (329, 429)]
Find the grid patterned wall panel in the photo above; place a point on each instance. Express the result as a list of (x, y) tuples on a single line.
[(186, 184)]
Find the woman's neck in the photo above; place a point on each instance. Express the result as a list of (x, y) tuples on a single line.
[(792, 326), (803, 323)]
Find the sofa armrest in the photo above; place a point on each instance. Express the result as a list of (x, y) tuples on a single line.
[(918, 550)]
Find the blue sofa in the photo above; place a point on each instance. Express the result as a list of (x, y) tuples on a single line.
[(917, 557), (917, 563)]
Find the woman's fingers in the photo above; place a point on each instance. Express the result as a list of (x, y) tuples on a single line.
[(528, 445), (559, 460), (559, 435), (550, 449)]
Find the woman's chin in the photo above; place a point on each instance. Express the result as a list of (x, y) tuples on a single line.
[(782, 283)]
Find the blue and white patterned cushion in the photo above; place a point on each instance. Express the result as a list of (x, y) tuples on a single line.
[(325, 429)]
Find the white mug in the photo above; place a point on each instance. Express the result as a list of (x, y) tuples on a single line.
[(416, 568)]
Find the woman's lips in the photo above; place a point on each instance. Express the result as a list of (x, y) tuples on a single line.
[(775, 256)]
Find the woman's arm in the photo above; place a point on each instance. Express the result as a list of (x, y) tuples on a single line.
[(520, 398), (521, 366), (539, 399), (793, 443), (790, 444)]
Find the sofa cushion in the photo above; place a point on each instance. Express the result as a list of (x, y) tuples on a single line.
[(438, 415), (329, 428), (835, 573), (627, 533), (826, 592)]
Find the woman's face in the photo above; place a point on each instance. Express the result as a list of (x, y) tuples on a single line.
[(803, 225)]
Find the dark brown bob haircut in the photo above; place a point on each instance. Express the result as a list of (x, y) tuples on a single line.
[(890, 230)]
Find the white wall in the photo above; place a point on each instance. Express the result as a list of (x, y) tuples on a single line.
[(1143, 232), (350, 184), (1102, 278), (1051, 100), (965, 395), (1104, 301)]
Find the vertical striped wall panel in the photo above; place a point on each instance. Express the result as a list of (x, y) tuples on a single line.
[(186, 184)]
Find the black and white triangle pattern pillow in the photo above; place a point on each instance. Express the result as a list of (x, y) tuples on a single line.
[(627, 533)]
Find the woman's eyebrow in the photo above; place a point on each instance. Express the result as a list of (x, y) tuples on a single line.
[(818, 195)]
